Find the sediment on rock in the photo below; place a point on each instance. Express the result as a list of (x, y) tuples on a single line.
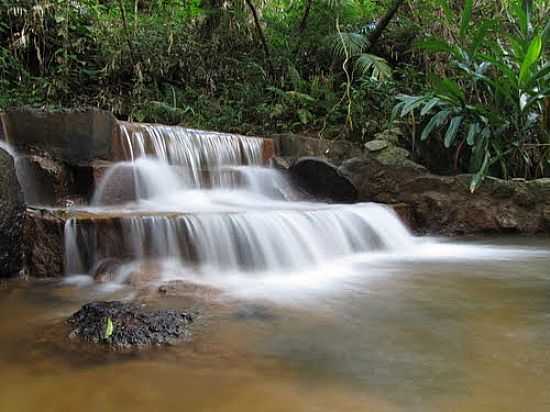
[(127, 325)]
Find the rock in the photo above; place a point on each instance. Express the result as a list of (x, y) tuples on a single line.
[(116, 185), (298, 146), (444, 204), (44, 243), (72, 136), (132, 325), (384, 149), (44, 181), (282, 163), (376, 145), (12, 210), (322, 180)]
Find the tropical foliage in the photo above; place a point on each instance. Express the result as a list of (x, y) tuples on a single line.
[(472, 76), (492, 100)]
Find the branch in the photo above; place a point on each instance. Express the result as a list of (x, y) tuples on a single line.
[(127, 30), (383, 23), (261, 34), (303, 22)]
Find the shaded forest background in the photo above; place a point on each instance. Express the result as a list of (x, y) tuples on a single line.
[(463, 81)]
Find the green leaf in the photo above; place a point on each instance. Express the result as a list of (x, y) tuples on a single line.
[(452, 130), (305, 116), (379, 68), (429, 106), (466, 17), (472, 132), (546, 34), (109, 329), (437, 120), (436, 45), (532, 56), (480, 175), (412, 104), (451, 88)]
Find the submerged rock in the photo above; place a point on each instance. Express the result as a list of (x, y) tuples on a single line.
[(127, 325), (12, 210)]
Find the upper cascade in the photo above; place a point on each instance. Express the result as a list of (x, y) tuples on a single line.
[(195, 149)]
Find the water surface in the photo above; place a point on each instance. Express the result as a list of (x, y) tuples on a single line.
[(460, 327)]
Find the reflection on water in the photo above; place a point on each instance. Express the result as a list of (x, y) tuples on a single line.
[(429, 334)]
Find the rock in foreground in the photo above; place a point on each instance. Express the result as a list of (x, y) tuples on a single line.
[(128, 325)]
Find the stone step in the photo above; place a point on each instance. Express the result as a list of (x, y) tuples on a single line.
[(44, 235)]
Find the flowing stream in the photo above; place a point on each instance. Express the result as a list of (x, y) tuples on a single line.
[(304, 306)]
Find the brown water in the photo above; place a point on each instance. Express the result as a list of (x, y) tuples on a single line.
[(439, 334)]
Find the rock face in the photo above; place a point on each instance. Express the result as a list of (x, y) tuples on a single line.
[(44, 180), (444, 204), (322, 180), (334, 150), (11, 218), (127, 325), (72, 135), (44, 243)]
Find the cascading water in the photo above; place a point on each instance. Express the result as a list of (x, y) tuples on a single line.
[(202, 154), (238, 224)]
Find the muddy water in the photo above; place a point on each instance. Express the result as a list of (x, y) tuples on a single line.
[(420, 334)]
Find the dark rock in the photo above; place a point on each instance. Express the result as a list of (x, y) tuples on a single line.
[(72, 136), (132, 325), (322, 180), (444, 204), (12, 210), (44, 243)]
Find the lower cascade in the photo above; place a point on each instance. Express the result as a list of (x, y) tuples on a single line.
[(155, 216)]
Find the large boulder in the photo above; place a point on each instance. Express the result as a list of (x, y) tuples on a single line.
[(444, 204), (12, 210), (322, 180), (72, 136)]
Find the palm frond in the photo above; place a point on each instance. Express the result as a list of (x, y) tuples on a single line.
[(375, 66), (354, 43)]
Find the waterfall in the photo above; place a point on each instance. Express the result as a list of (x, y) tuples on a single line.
[(203, 203), (254, 240), (200, 153)]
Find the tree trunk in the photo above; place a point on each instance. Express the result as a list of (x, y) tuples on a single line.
[(261, 35), (213, 19), (303, 22), (383, 23)]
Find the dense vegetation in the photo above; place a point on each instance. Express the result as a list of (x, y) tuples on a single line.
[(463, 82)]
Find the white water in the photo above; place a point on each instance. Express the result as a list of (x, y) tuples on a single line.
[(7, 148), (206, 211), (173, 226), (195, 151)]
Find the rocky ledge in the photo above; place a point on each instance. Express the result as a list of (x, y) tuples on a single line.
[(427, 202), (128, 325)]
